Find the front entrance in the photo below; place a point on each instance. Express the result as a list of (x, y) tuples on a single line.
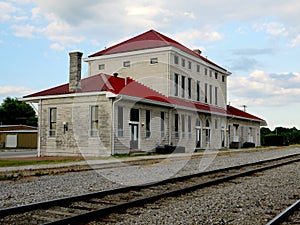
[(134, 128), (198, 137), (198, 133), (134, 136)]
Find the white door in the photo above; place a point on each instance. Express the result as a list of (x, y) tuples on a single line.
[(11, 141)]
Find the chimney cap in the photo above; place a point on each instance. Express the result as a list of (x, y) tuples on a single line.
[(115, 74), (198, 51)]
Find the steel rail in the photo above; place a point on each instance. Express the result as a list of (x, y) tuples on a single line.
[(285, 214), (108, 210), (112, 209)]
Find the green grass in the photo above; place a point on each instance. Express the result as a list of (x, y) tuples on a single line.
[(7, 163)]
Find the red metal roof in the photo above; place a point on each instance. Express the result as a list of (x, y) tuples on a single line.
[(147, 40), (104, 82), (129, 87), (237, 112)]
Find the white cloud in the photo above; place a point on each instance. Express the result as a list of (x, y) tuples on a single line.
[(273, 28), (26, 31), (189, 37), (14, 91), (295, 41), (6, 9), (263, 89), (70, 22)]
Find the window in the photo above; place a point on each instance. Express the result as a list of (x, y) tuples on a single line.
[(198, 68), (176, 84), (216, 124), (223, 78), (205, 71), (216, 95), (210, 73), (52, 125), (206, 85), (189, 87), (216, 75), (210, 94), (176, 120), (189, 65), (134, 115), (198, 91), (176, 59), (153, 60), (148, 117), (162, 124), (190, 126), (126, 64), (94, 122), (120, 122), (183, 62), (183, 86), (101, 66), (183, 125)]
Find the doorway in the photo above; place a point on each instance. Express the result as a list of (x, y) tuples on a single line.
[(134, 128)]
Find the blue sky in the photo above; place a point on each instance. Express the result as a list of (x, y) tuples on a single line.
[(258, 41)]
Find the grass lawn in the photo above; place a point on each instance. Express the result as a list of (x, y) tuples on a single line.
[(25, 162)]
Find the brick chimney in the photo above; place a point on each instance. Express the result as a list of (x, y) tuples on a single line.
[(75, 71)]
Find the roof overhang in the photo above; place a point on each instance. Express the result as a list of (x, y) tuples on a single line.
[(38, 98)]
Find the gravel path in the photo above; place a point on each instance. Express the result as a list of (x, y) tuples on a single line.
[(35, 189), (251, 200)]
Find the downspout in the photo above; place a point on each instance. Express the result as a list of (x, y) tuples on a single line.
[(113, 126), (40, 125)]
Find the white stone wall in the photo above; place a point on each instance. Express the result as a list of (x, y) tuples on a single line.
[(76, 140)]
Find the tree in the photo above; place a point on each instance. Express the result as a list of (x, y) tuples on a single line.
[(14, 112)]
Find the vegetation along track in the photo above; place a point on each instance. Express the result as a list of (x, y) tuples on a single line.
[(84, 208)]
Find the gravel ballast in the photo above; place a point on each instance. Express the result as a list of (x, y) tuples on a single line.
[(35, 189), (250, 200)]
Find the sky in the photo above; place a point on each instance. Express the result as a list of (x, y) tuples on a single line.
[(258, 41)]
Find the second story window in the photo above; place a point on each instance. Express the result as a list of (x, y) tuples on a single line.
[(205, 92), (189, 65), (210, 94), (198, 91), (52, 122), (126, 64), (101, 66), (183, 62), (223, 78), (198, 68), (176, 59), (216, 95), (189, 88), (176, 84), (205, 71), (216, 75), (153, 60), (183, 86)]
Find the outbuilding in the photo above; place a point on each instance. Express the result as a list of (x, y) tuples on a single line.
[(18, 136)]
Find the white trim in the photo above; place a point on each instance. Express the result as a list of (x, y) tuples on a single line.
[(108, 95), (128, 53)]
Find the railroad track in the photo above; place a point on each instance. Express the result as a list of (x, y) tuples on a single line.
[(88, 207), (290, 215)]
